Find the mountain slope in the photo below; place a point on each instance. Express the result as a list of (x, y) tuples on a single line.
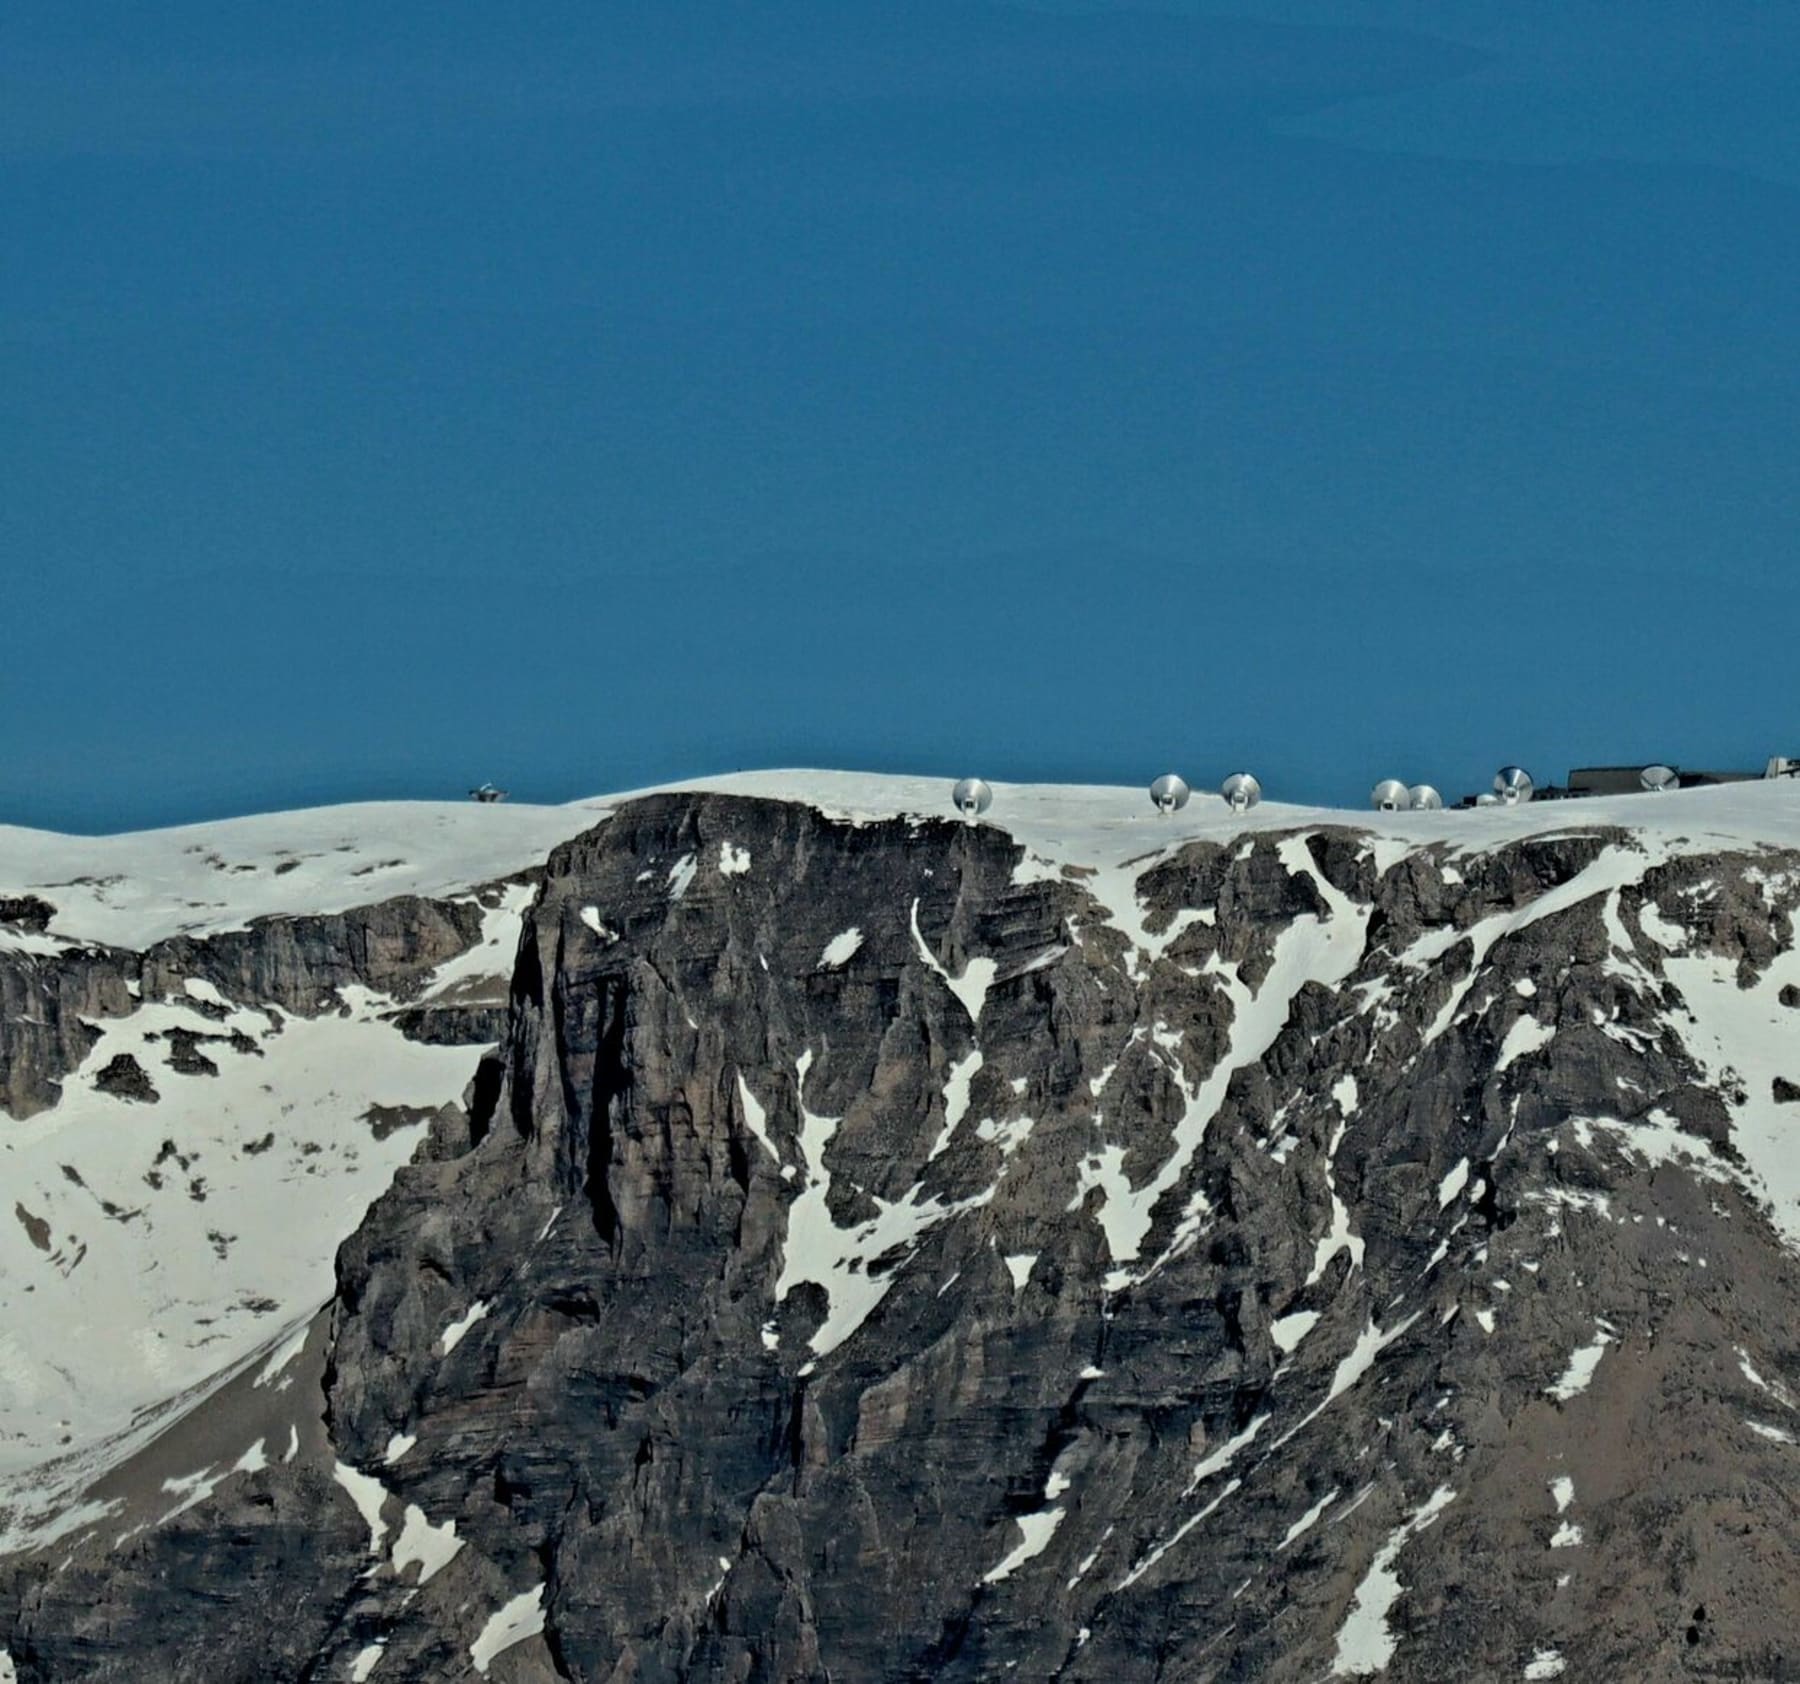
[(1083, 1245)]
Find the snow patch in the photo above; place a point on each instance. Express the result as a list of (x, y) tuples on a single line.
[(1035, 1533), (1774, 1388), (1364, 1643), (1743, 1038), (1340, 1236), (517, 1620), (1180, 1532), (590, 916), (1308, 949), (838, 1259), (284, 1353), (956, 1099), (1582, 1363), (1671, 938), (1009, 1135), (1223, 1456), (972, 986), (452, 1336), (1525, 1036), (195, 1488), (1370, 1343), (1308, 1520), (1288, 1331), (1615, 867), (841, 949), (368, 1494), (432, 1547), (756, 1119)]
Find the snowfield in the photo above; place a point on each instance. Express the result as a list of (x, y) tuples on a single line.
[(135, 889)]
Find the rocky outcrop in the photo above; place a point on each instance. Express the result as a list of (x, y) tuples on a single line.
[(125, 1077), (47, 1004), (302, 964), (875, 1256), (50, 1002), (31, 913)]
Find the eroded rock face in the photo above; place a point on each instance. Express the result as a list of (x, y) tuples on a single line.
[(301, 964), (26, 912), (49, 1002), (866, 1260)]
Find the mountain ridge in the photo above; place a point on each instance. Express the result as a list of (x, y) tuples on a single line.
[(916, 1319)]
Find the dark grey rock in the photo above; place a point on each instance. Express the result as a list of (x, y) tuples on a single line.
[(126, 1078), (26, 912), (185, 1056), (454, 1024), (47, 1007)]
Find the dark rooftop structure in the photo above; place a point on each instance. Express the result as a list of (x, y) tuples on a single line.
[(1629, 780), (1625, 780)]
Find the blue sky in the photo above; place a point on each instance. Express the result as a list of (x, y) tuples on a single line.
[(577, 397)]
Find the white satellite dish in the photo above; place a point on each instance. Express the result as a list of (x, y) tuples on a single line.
[(1390, 796), (1487, 798), (1656, 779), (1424, 799), (972, 798), (1170, 793), (1241, 792), (1513, 785)]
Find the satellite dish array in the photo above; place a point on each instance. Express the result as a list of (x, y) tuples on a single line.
[(1170, 793)]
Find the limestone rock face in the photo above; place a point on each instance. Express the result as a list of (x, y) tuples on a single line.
[(47, 1004), (873, 1253), (49, 1001)]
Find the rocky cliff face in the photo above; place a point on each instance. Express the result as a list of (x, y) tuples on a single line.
[(878, 1251), (50, 998)]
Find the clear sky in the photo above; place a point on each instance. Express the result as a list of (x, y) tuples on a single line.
[(394, 397)]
